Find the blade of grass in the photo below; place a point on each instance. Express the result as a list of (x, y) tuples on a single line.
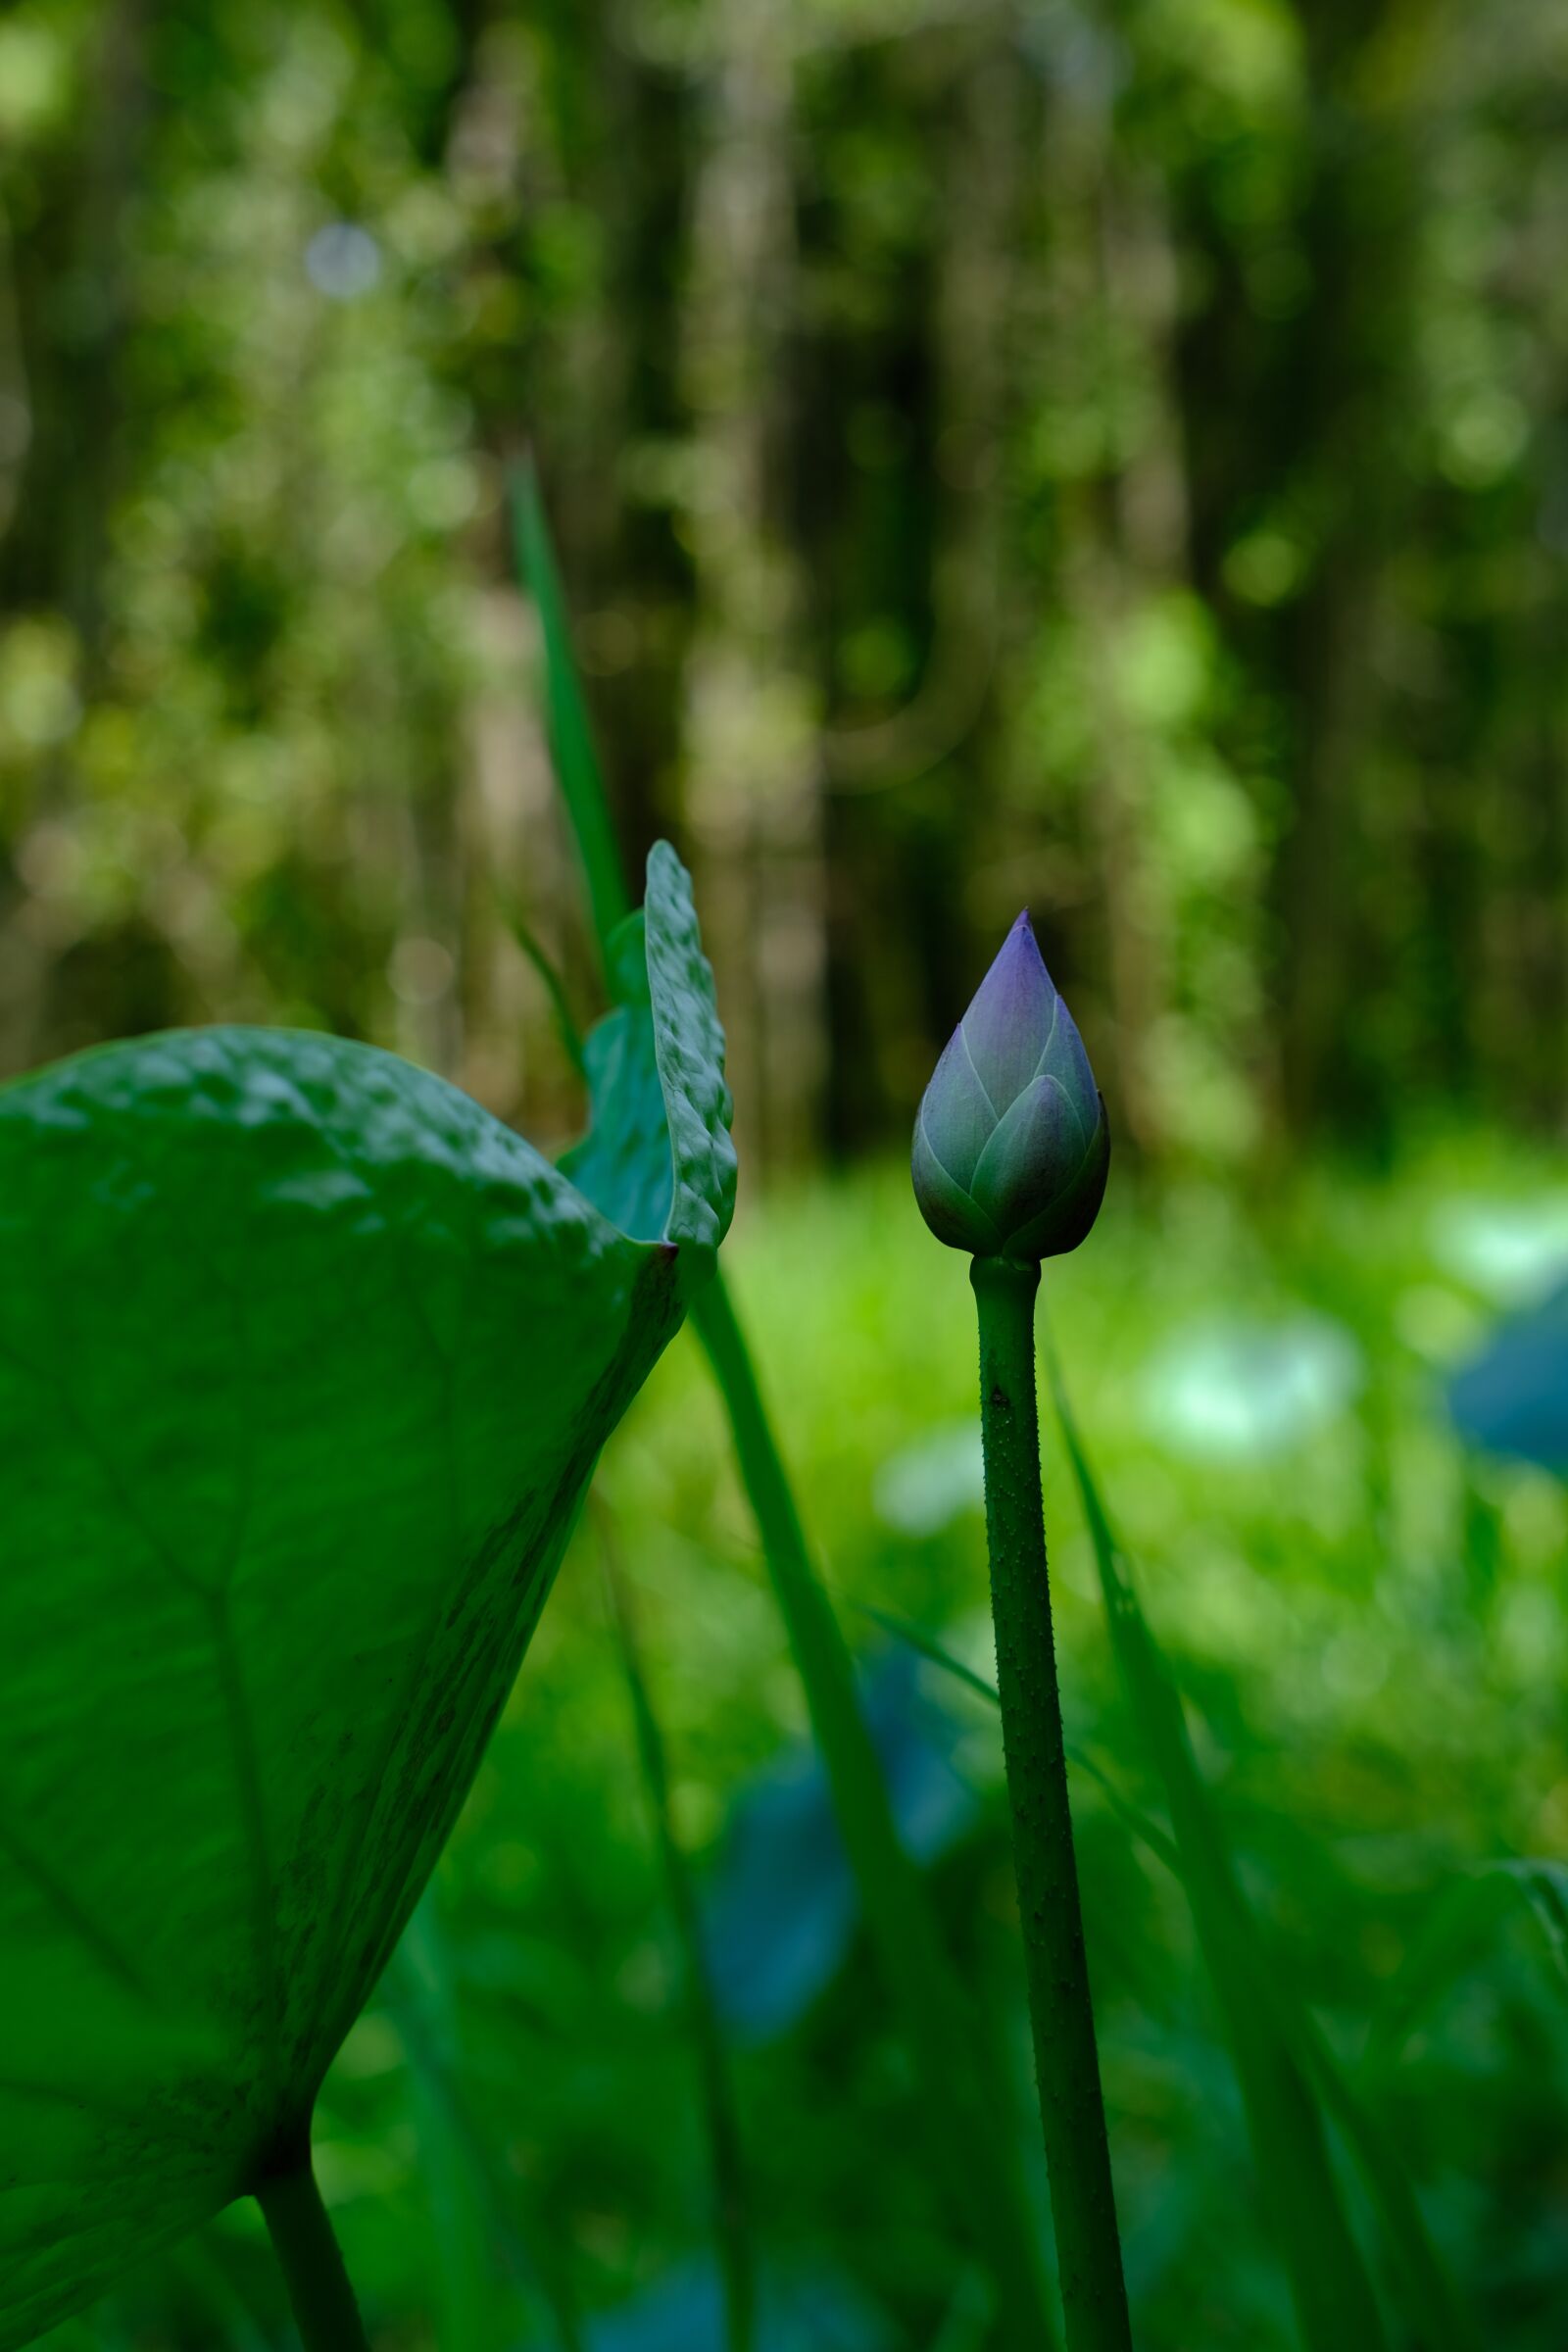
[(932, 2007), (963, 2096), (1544, 1886), (916, 1636), (732, 2229), (1434, 2303), (1147, 1832), (1286, 2071), (1461, 1922), (1456, 1927), (566, 1028), (464, 2291), (571, 741), (473, 2225), (232, 2314), (1433, 2300)]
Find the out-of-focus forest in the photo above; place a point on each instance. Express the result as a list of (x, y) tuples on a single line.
[(1113, 457)]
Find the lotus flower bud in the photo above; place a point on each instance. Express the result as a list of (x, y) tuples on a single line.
[(1011, 1147)]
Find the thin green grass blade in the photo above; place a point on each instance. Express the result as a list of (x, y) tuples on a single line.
[(732, 2228), (1461, 1923), (566, 1028), (1287, 2074), (962, 2105), (1430, 2295), (1150, 1833), (481, 2248), (204, 2267), (1431, 2300), (1333, 2293), (1543, 1885), (571, 741), (916, 1638), (465, 2294)]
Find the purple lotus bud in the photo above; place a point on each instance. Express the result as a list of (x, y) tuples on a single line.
[(1011, 1147)]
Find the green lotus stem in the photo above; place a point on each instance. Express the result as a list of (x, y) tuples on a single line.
[(1072, 2110), (311, 2259)]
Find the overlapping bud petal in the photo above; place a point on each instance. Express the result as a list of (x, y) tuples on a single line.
[(1010, 1146)]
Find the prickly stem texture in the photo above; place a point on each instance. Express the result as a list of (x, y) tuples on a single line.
[(1066, 2061)]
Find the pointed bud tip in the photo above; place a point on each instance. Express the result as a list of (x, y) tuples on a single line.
[(1021, 940)]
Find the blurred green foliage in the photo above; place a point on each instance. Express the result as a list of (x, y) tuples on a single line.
[(1102, 454)]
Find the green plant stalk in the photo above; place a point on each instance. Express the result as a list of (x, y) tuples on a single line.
[(1072, 2110), (310, 2258), (969, 2111)]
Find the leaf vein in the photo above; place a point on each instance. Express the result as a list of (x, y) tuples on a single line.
[(92, 1933)]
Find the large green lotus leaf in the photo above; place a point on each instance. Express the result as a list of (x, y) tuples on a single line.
[(304, 1364)]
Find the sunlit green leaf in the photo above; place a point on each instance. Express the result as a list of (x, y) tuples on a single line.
[(304, 1364)]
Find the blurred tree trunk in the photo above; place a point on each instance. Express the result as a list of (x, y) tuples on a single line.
[(1122, 534), (70, 304), (903, 941), (753, 784), (1138, 550), (1352, 378), (1526, 1052), (68, 307), (564, 127), (100, 315), (15, 389)]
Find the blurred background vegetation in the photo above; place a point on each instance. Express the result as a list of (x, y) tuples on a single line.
[(1112, 457)]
